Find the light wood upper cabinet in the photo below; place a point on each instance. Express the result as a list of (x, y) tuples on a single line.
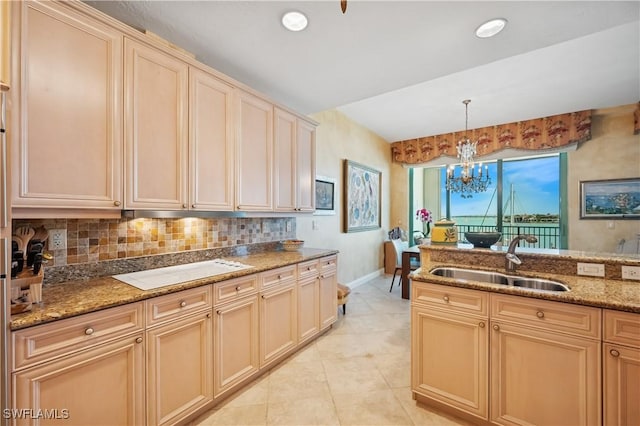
[(156, 133), (5, 44), (306, 166), (211, 143), (294, 163), (67, 109), (254, 153)]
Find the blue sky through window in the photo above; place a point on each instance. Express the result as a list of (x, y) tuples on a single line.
[(536, 186)]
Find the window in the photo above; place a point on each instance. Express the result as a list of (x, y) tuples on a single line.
[(523, 198)]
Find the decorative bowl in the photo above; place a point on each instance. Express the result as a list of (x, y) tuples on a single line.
[(483, 239), (292, 245)]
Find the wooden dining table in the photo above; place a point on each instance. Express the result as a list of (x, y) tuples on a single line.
[(408, 254)]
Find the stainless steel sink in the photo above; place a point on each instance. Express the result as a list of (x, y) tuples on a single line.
[(540, 284), (471, 275), (463, 274)]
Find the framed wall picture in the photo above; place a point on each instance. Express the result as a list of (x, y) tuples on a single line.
[(610, 199), (325, 196), (362, 197)]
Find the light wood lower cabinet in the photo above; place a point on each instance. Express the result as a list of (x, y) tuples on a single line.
[(236, 338), (543, 358), (543, 378), (102, 385), (328, 268), (621, 371), (278, 322), (179, 354), (308, 308), (449, 325)]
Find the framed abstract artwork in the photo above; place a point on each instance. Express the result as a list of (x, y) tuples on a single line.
[(325, 196), (610, 199), (362, 197)]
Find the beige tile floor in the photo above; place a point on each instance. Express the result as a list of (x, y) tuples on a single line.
[(358, 373)]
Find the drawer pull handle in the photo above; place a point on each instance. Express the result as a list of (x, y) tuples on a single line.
[(238, 288), (446, 298), (481, 324), (88, 331), (209, 315), (540, 314), (184, 206), (496, 327), (116, 203), (219, 312), (138, 339), (183, 304), (614, 353), (263, 296), (308, 268), (279, 276)]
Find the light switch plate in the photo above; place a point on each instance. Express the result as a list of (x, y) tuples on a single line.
[(631, 272), (591, 269)]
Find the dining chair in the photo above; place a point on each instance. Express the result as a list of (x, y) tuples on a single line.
[(399, 246)]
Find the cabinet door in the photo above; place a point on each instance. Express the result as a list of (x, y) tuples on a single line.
[(308, 308), (306, 166), (211, 143), (236, 350), (284, 161), (5, 43), (456, 373), (328, 298), (179, 369), (278, 323), (254, 153), (621, 385), (103, 385), (525, 364), (156, 134), (69, 99)]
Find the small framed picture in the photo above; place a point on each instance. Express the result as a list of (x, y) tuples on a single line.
[(325, 195), (610, 199)]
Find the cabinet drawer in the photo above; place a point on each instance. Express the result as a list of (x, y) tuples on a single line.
[(557, 316), (49, 341), (622, 328), (171, 306), (450, 298), (328, 264), (309, 269), (274, 277), (236, 288)]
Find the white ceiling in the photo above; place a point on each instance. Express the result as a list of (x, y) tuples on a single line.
[(402, 68)]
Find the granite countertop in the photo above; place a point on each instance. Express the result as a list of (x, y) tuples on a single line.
[(609, 292), (72, 298)]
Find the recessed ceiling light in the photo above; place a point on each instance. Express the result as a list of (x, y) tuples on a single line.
[(491, 28), (294, 21)]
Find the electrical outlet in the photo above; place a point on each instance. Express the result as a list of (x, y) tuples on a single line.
[(57, 239), (631, 272), (288, 227), (314, 225), (591, 269)]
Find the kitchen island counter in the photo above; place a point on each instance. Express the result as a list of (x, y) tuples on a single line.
[(609, 292)]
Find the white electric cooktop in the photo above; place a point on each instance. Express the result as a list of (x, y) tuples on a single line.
[(154, 278)]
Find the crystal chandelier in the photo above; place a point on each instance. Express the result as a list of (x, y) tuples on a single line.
[(468, 182)]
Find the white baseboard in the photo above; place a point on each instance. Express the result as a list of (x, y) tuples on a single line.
[(357, 282)]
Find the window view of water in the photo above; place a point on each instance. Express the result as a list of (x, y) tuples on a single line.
[(530, 202)]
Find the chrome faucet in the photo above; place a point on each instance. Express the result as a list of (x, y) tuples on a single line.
[(512, 260)]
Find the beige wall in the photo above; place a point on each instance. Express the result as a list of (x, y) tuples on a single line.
[(338, 138), (612, 153)]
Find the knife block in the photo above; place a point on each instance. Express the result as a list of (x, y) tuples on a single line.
[(26, 289)]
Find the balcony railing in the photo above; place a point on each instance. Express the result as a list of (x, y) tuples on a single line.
[(548, 236)]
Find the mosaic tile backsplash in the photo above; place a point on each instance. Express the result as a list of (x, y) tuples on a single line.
[(94, 240)]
